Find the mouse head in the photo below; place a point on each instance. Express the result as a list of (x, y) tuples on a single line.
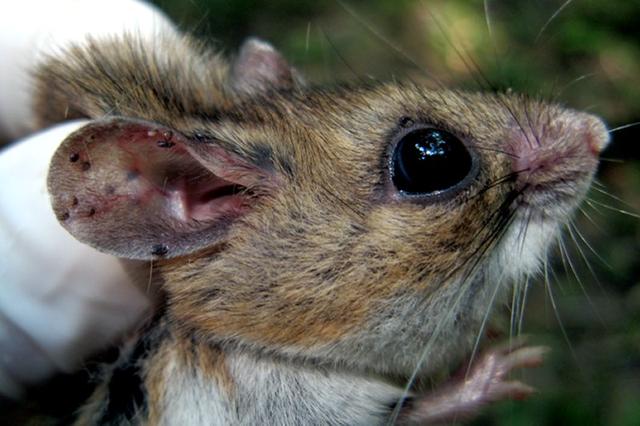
[(368, 226)]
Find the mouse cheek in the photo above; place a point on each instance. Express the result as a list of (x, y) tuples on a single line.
[(301, 286)]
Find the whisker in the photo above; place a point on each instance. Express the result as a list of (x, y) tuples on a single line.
[(411, 380), (525, 292), (522, 234), (572, 83), (562, 259), (556, 312), (527, 115), (494, 45), (148, 290), (494, 237), (573, 229), (612, 160), (388, 42), (586, 243), (574, 271), (555, 14), (608, 207), (476, 256), (465, 57), (344, 203), (341, 57), (487, 18), (474, 70), (590, 219), (498, 181), (483, 324), (626, 126), (596, 209), (516, 119), (610, 195), (203, 19), (515, 307), (490, 238), (518, 302)]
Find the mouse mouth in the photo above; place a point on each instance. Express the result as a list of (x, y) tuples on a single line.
[(555, 201)]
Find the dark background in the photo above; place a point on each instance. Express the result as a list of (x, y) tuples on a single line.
[(587, 58)]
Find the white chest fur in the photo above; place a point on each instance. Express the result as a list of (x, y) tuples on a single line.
[(264, 391)]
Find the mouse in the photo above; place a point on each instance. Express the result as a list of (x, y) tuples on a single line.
[(322, 253)]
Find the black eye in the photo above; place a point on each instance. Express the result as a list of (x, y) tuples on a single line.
[(428, 160)]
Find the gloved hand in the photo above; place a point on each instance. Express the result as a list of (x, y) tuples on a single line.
[(60, 301)]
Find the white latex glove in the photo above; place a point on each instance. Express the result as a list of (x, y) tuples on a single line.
[(60, 301), (30, 29)]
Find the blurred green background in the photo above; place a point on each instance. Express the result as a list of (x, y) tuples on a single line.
[(586, 57)]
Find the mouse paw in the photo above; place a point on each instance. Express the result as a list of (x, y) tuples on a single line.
[(484, 382)]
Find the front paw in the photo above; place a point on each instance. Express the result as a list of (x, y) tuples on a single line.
[(485, 382)]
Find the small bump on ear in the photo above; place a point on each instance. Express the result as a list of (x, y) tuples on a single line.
[(159, 250), (165, 144)]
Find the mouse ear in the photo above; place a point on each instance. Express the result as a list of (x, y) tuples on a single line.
[(138, 190), (259, 67)]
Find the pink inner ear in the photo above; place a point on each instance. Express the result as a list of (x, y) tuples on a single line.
[(181, 186), (209, 199), (160, 172), (136, 189)]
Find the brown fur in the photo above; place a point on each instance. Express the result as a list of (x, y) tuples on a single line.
[(109, 71), (327, 249), (173, 354)]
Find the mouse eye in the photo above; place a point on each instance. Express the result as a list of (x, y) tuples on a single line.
[(428, 160)]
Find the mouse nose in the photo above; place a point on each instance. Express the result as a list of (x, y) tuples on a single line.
[(563, 134), (592, 131), (559, 146)]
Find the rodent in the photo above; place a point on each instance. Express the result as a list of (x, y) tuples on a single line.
[(316, 247)]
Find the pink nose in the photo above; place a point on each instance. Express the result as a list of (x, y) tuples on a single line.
[(573, 129), (593, 131), (557, 146)]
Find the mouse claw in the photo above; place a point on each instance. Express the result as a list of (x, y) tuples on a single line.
[(511, 390), (526, 357), (483, 383)]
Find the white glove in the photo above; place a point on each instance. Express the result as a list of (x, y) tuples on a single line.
[(60, 301)]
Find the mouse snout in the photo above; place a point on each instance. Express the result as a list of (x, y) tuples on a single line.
[(560, 145)]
